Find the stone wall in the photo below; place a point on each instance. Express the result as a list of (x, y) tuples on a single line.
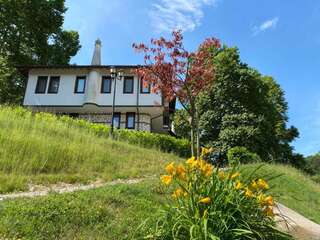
[(144, 120)]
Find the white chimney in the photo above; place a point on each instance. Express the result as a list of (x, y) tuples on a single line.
[(96, 58)]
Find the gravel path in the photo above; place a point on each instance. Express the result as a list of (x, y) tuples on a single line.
[(39, 190)]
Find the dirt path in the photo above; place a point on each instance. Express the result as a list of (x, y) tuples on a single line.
[(297, 225), (39, 190)]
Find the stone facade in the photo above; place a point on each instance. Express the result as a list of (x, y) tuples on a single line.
[(144, 123)]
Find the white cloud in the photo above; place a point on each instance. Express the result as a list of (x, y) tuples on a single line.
[(268, 24), (167, 15)]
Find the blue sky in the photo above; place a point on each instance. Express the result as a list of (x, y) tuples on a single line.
[(279, 38)]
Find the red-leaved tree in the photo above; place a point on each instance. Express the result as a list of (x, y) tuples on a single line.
[(178, 73)]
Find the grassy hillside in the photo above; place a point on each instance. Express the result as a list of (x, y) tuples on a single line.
[(115, 212), (291, 188), (39, 150), (43, 151)]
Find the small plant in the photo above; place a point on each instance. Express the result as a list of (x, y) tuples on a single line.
[(210, 203), (237, 155)]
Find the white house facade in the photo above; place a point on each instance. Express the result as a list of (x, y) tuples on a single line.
[(94, 93)]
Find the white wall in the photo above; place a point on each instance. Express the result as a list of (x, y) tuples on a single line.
[(67, 97)]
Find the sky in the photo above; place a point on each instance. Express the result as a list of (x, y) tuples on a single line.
[(278, 38)]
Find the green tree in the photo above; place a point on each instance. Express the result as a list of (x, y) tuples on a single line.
[(10, 83), (243, 108), (31, 33), (181, 124), (313, 164)]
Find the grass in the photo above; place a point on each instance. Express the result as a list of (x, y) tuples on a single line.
[(40, 151), (44, 151), (291, 188), (114, 212)]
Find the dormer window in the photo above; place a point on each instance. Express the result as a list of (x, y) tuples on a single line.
[(41, 84), (128, 85), (54, 84), (80, 84)]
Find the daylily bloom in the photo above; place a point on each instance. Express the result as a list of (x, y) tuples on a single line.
[(269, 212), (166, 179), (248, 192), (170, 168), (238, 185), (205, 200), (178, 193), (235, 175), (262, 184)]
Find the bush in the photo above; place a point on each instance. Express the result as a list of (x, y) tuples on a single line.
[(208, 203), (316, 178), (162, 142), (237, 155)]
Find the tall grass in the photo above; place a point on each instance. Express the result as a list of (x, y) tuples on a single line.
[(291, 187), (46, 149)]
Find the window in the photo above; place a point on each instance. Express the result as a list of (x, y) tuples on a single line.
[(166, 119), (116, 120), (144, 87), (41, 84), (106, 84), (130, 120), (54, 84), (80, 84), (128, 85)]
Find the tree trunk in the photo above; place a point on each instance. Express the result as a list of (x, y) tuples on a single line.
[(193, 129), (192, 136), (198, 134)]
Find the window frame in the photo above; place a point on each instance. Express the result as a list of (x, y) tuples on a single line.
[(77, 84), (102, 84), (38, 84), (141, 87), (118, 114), (125, 79), (50, 82), (131, 114)]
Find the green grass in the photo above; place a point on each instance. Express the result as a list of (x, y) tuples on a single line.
[(42, 151), (46, 151), (291, 188), (113, 212)]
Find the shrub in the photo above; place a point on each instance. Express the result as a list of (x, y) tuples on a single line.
[(316, 178), (162, 142), (237, 155), (208, 203)]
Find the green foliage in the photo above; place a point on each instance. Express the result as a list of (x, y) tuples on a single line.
[(316, 178), (31, 33), (11, 83), (162, 142), (181, 125), (244, 108), (220, 205), (237, 155), (313, 164), (46, 148)]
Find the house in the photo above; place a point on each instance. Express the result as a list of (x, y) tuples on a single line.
[(96, 93)]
